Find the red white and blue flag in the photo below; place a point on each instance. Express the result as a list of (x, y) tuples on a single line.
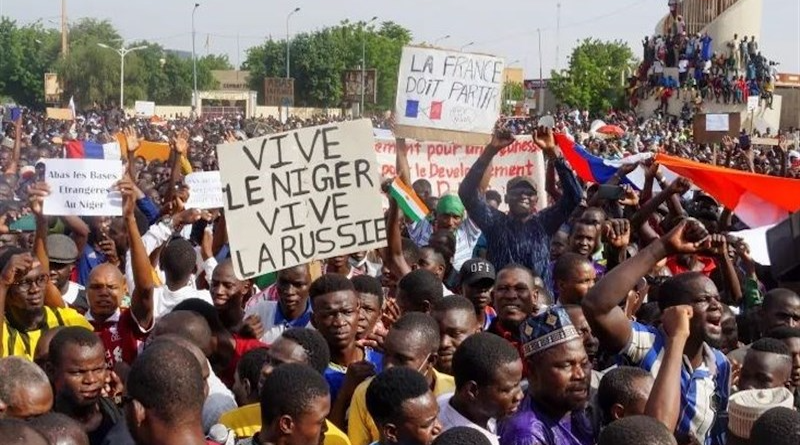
[(92, 150)]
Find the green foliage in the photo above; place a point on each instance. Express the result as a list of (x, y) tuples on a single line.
[(90, 73), (512, 91), (26, 53), (319, 59), (593, 79)]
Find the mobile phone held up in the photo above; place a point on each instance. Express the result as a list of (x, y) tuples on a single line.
[(610, 192)]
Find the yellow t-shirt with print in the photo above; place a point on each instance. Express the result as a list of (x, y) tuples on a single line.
[(23, 344), (361, 429)]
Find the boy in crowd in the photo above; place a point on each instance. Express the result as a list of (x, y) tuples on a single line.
[(404, 408), (488, 374)]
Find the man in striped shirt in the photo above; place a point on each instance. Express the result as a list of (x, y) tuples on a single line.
[(523, 235), (706, 373)]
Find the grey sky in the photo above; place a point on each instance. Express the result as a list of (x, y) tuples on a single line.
[(504, 28)]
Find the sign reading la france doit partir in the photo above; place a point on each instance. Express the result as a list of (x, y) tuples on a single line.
[(309, 194), (448, 95)]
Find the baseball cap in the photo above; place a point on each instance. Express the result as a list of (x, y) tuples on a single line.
[(475, 270), (521, 181), (61, 249)]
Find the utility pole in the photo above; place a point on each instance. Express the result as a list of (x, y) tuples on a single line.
[(540, 93), (194, 66), (122, 51), (558, 35), (364, 64), (64, 46)]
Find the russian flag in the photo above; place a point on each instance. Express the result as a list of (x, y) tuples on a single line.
[(92, 150), (592, 168), (758, 200)]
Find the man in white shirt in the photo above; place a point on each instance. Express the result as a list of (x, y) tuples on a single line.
[(178, 260), (292, 310), (488, 375)]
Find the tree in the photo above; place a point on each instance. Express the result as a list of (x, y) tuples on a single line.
[(26, 53), (152, 73), (593, 79), (512, 91), (319, 60)]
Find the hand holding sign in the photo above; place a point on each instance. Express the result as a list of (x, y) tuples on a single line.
[(36, 194)]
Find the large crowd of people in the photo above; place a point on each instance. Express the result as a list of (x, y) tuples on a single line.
[(590, 321), (703, 75)]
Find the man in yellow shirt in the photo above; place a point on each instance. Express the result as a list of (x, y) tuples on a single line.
[(23, 314), (412, 342)]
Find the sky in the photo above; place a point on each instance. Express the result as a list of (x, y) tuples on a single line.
[(499, 27)]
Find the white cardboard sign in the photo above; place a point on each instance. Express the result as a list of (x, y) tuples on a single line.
[(449, 90), (82, 187), (144, 108), (304, 195), (205, 190)]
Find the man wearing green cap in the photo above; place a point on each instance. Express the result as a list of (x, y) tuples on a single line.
[(449, 215)]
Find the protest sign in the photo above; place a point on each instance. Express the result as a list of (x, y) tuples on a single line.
[(717, 122), (752, 103), (295, 197), (448, 96), (82, 187), (61, 114), (145, 108), (444, 165), (205, 190), (278, 92)]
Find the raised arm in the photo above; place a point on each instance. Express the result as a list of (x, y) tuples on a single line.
[(677, 187), (401, 161), (602, 303), (664, 403), (719, 248), (550, 182), (142, 295), (469, 191), (553, 217), (13, 166), (36, 194), (395, 260)]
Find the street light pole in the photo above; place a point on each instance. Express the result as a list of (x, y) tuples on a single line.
[(466, 46), (122, 51), (194, 65), (364, 64), (288, 46), (540, 101), (436, 42)]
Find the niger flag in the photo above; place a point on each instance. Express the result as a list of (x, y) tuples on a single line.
[(758, 200)]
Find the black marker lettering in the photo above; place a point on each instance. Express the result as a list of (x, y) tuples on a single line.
[(326, 144)]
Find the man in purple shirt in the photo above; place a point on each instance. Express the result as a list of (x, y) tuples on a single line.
[(559, 373)]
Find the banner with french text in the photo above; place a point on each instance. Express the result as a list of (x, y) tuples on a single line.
[(444, 165), (448, 95), (83, 187), (304, 195)]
